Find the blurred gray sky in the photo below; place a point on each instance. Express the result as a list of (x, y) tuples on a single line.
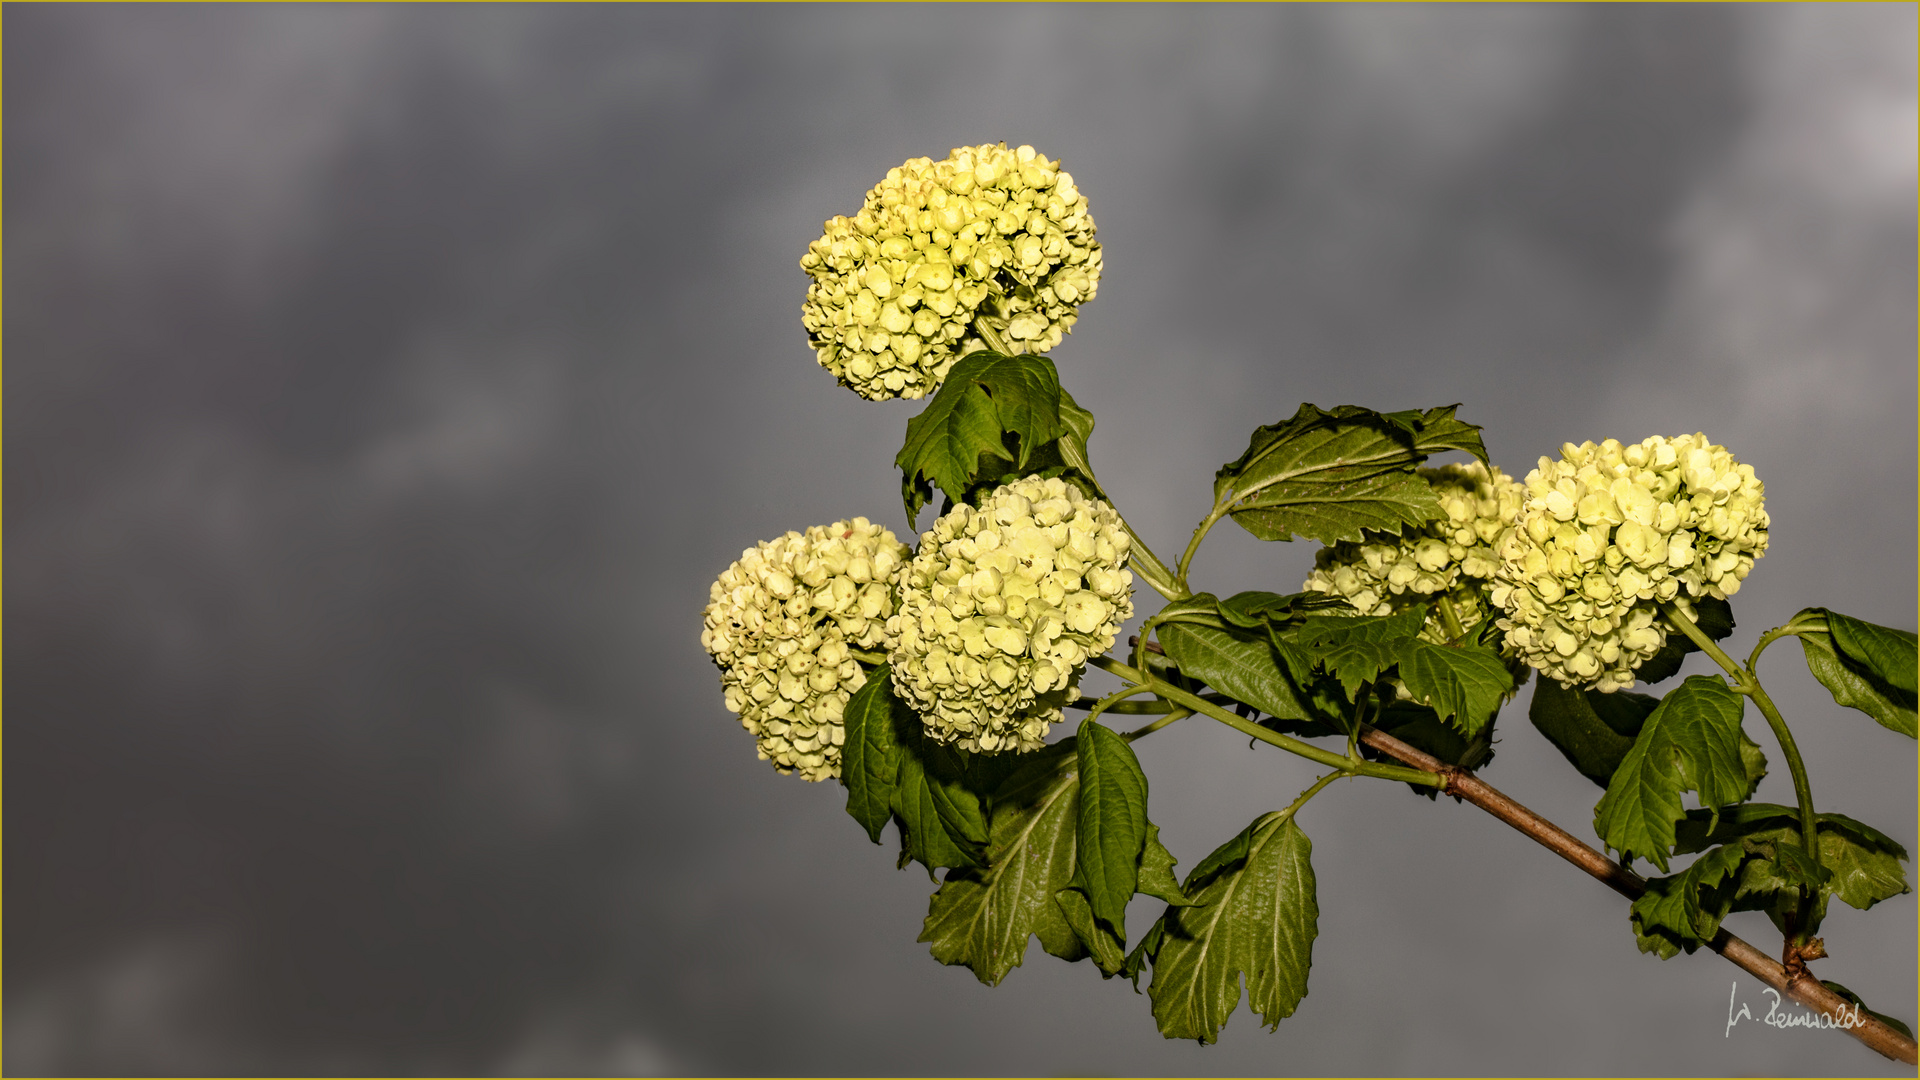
[(388, 384)]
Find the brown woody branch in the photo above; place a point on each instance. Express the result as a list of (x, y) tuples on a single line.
[(1800, 985)]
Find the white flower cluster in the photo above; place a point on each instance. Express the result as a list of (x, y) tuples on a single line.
[(1451, 558), (1607, 534), (1001, 608), (990, 232), (780, 623)]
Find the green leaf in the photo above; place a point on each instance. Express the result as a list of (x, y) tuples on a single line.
[(982, 917), (1258, 918), (1690, 742), (1253, 610), (1329, 475), (940, 821), (1863, 861), (1865, 667), (1077, 425), (1242, 667), (1684, 911), (1143, 953), (1201, 609), (985, 398), (1356, 649), (870, 760), (1462, 683), (1107, 947), (1789, 866), (1887, 654), (1715, 619), (1892, 1022), (1156, 871), (1592, 730), (1113, 823)]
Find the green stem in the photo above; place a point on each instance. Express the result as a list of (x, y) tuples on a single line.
[(1803, 623), (1252, 730), (989, 335), (1450, 620), (1311, 792), (1359, 720), (1152, 570), (1142, 732), (1199, 533), (1747, 683), (1145, 707), (1115, 698), (865, 657)]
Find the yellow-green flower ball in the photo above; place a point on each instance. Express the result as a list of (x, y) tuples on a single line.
[(780, 624), (1450, 559), (987, 233), (1607, 534), (1001, 608)]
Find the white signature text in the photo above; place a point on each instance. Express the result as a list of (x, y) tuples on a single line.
[(1848, 1016)]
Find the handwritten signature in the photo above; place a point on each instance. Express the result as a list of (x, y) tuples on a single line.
[(1848, 1015)]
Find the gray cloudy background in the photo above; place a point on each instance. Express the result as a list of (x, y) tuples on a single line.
[(388, 384)]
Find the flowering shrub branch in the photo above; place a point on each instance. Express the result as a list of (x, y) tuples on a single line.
[(927, 679)]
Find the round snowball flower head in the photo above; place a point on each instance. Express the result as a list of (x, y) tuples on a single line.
[(1450, 559), (1000, 609), (1607, 534), (780, 624), (987, 233)]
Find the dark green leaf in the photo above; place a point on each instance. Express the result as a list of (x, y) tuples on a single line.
[(1896, 1024), (1754, 761), (957, 804), (1156, 871), (1226, 857), (1332, 631), (1107, 947), (1238, 665), (982, 917), (1465, 684), (1356, 649), (870, 759), (1860, 664), (932, 811), (1683, 912), (1886, 654), (1143, 953), (1789, 867), (1252, 610), (1201, 608), (1113, 823), (1863, 861), (1690, 742), (1077, 425), (1329, 475), (1592, 730), (1715, 619), (1258, 919), (985, 398)]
